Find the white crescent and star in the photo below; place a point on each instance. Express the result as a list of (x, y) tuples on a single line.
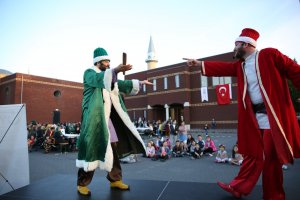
[(221, 89)]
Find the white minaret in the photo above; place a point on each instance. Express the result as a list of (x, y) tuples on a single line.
[(151, 57)]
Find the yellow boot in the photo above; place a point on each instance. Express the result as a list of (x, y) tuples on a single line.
[(119, 185), (83, 190)]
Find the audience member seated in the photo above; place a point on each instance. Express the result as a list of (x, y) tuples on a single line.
[(201, 142), (30, 142), (150, 150), (236, 157), (58, 136), (189, 141), (49, 142), (168, 142), (222, 156), (209, 147), (177, 150), (163, 153), (196, 153), (184, 148)]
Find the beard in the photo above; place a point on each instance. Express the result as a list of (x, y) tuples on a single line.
[(103, 67), (239, 53)]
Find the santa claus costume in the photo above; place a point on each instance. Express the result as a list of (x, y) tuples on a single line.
[(268, 130)]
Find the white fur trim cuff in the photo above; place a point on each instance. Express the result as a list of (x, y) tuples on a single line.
[(246, 40), (99, 58), (135, 87), (108, 79)]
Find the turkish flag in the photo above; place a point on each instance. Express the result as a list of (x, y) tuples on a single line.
[(223, 94)]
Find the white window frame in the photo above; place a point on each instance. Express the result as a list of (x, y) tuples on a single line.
[(215, 81), (165, 83), (227, 80), (154, 84), (203, 81), (177, 81)]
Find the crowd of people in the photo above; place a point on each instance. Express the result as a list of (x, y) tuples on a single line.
[(172, 140), (49, 136)]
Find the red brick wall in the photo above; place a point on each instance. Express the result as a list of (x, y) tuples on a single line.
[(38, 95)]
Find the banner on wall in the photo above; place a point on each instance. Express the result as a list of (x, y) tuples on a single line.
[(204, 94)]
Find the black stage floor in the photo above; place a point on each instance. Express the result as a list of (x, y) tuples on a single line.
[(63, 187)]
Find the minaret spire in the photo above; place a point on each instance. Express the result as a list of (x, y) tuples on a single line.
[(151, 56)]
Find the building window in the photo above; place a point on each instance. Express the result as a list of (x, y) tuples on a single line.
[(6, 91), (166, 83), (203, 80), (227, 80), (144, 87), (215, 81), (177, 81), (221, 80), (154, 84), (57, 93)]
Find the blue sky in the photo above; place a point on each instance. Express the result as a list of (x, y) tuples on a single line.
[(56, 38)]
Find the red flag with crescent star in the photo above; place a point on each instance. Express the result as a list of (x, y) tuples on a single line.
[(223, 94)]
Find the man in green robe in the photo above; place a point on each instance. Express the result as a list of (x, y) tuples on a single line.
[(105, 123)]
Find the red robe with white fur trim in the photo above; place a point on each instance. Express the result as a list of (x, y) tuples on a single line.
[(273, 69)]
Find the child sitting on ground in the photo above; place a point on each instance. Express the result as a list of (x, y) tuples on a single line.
[(150, 150), (222, 156), (31, 142), (164, 152), (177, 150), (209, 147), (184, 148), (196, 152), (236, 157)]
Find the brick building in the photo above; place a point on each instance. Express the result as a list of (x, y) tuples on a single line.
[(46, 99), (176, 95)]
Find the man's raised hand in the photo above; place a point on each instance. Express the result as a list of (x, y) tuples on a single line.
[(123, 68), (146, 82), (193, 62)]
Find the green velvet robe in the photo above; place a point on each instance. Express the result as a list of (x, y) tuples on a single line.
[(99, 104)]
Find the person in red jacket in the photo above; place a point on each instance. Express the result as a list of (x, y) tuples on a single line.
[(268, 130)]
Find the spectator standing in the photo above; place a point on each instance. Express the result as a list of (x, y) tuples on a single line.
[(182, 133), (173, 132)]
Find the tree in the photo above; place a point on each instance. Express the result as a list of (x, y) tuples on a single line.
[(295, 95)]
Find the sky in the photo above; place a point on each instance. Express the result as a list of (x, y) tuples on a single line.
[(56, 38)]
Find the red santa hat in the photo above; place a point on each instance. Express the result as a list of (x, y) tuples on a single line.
[(248, 35)]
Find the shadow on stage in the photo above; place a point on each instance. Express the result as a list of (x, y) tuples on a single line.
[(63, 187)]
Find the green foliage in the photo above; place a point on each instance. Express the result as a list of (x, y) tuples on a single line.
[(295, 96)]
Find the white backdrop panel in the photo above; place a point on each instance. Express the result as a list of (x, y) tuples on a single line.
[(14, 163)]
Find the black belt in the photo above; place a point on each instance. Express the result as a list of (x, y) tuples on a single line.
[(259, 108)]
